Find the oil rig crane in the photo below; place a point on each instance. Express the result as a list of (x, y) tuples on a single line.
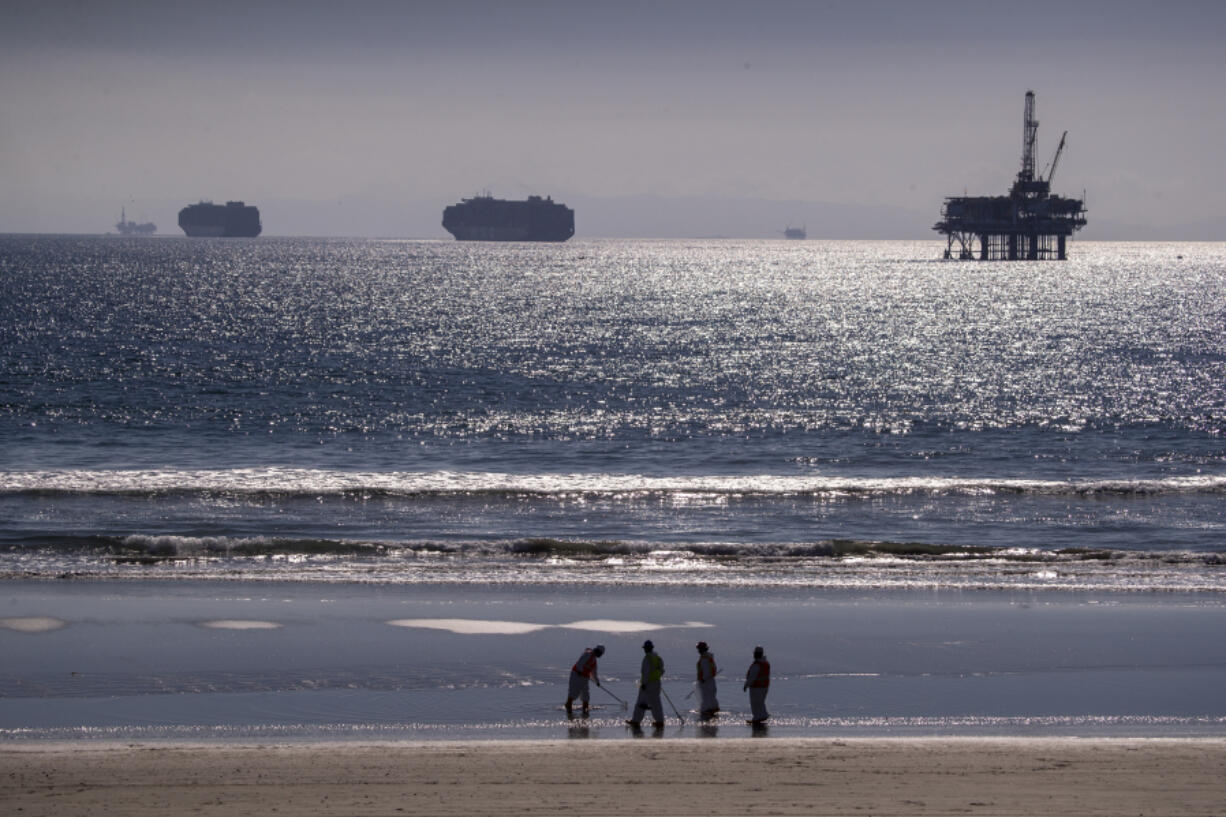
[(1055, 160)]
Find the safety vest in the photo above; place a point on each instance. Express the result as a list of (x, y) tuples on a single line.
[(764, 674), (653, 668), (706, 666), (586, 665)]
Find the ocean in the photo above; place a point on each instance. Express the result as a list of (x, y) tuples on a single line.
[(296, 487)]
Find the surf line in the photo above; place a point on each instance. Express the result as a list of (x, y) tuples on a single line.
[(472, 626)]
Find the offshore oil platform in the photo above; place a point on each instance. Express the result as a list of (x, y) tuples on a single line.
[(1028, 224)]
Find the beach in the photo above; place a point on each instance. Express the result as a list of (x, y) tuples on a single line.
[(321, 527), (256, 661), (1017, 776)]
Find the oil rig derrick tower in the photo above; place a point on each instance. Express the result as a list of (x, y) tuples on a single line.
[(1028, 224)]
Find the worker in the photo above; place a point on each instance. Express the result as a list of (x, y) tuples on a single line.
[(757, 681), (650, 675), (581, 673), (707, 704)]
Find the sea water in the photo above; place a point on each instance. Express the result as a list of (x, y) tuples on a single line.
[(329, 479)]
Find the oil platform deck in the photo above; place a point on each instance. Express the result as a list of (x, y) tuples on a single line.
[(1028, 224)]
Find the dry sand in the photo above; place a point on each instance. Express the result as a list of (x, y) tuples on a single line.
[(908, 776)]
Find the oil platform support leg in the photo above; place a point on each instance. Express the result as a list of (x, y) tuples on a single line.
[(1060, 248), (1013, 248), (983, 247)]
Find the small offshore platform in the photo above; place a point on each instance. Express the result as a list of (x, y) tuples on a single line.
[(1029, 224)]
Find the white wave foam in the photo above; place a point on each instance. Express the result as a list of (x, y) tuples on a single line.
[(332, 482), (168, 545)]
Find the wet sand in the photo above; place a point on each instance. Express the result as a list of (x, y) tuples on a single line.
[(909, 776), (192, 661)]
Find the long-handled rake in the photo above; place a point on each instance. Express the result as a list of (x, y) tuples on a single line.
[(625, 705), (674, 706)]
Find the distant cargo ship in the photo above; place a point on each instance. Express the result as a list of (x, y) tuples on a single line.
[(126, 227), (485, 218), (233, 220), (795, 233)]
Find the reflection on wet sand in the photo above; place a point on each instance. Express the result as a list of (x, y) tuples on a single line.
[(471, 626), (32, 624), (240, 624)]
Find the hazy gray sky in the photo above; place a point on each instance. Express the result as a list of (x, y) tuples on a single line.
[(652, 118)]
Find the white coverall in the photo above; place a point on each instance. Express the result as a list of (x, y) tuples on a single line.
[(757, 681)]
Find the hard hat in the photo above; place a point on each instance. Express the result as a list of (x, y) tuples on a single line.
[(647, 645), (758, 652), (702, 646), (599, 649)]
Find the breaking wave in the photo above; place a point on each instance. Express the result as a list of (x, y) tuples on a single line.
[(187, 547), (835, 564), (291, 482)]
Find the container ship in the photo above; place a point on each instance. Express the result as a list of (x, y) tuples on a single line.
[(233, 220), (485, 218)]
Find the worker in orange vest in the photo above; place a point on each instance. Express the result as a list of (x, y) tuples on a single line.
[(708, 705), (583, 671), (757, 681)]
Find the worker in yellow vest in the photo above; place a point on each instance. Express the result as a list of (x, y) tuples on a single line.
[(757, 681), (581, 673), (650, 674), (707, 703)]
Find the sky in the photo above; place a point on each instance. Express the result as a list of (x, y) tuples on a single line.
[(651, 119)]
